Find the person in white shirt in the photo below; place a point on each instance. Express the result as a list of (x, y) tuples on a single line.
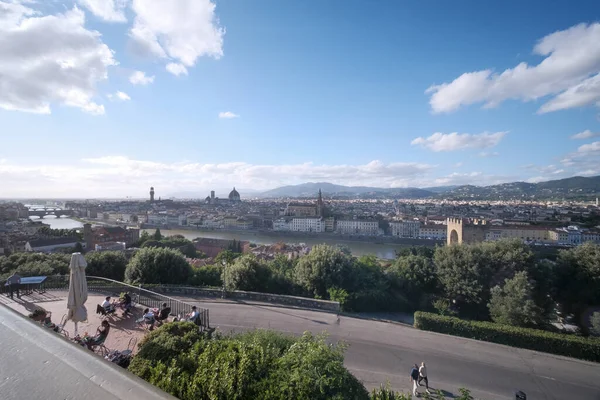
[(193, 315), (423, 376), (149, 319), (107, 305)]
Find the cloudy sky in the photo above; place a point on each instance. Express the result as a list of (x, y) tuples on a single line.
[(109, 97)]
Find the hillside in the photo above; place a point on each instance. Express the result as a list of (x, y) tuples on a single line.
[(311, 189), (569, 188)]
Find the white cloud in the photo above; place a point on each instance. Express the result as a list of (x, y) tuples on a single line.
[(176, 69), (570, 69), (182, 30), (589, 148), (587, 134), (488, 154), (140, 78), (52, 59), (108, 10), (459, 141), (458, 165), (121, 176), (228, 115), (119, 96)]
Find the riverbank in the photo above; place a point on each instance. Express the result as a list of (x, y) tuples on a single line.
[(305, 235)]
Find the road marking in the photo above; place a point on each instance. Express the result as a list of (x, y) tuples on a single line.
[(546, 377)]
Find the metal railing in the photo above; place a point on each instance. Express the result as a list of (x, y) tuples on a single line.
[(144, 297)]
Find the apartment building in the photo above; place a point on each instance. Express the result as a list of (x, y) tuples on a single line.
[(406, 229), (308, 224), (357, 227), (433, 231)]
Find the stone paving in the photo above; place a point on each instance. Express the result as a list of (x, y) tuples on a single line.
[(124, 331)]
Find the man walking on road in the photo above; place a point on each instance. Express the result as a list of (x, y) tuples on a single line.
[(414, 377), (423, 376), (13, 283)]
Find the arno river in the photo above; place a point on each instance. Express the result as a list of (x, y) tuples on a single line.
[(386, 251)]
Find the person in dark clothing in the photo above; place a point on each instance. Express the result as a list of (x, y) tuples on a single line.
[(414, 378), (13, 282), (163, 314)]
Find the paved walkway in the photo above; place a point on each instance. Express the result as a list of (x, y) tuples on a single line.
[(124, 332)]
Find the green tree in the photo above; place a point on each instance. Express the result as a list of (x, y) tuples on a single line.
[(226, 257), (158, 265), (418, 279), (157, 235), (246, 273), (324, 267), (595, 323), (468, 272), (106, 264), (578, 279), (512, 304), (144, 236), (208, 275)]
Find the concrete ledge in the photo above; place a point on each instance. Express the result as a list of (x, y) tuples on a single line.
[(293, 301), (40, 364)]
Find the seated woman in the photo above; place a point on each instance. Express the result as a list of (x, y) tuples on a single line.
[(148, 319), (101, 335), (163, 314)]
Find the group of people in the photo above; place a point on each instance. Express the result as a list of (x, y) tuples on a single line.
[(152, 316), (418, 375), (124, 303)]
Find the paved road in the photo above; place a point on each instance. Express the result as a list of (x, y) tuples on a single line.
[(380, 352)]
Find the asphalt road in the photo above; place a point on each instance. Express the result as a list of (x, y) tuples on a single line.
[(382, 352)]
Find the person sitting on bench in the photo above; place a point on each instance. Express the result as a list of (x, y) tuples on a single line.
[(108, 306), (149, 319), (194, 315), (100, 338), (164, 313)]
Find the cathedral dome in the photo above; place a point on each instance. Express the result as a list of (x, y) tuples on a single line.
[(234, 195)]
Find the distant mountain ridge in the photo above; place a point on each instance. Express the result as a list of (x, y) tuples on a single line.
[(574, 187)]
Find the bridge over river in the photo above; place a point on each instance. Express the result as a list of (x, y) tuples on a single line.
[(43, 212)]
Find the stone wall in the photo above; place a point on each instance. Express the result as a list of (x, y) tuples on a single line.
[(294, 301)]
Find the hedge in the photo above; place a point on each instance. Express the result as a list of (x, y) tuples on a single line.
[(532, 339)]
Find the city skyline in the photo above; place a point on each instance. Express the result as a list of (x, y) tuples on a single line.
[(266, 94)]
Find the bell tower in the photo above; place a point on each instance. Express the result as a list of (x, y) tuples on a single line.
[(152, 195)]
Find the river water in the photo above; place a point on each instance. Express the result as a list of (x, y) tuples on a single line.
[(384, 251)]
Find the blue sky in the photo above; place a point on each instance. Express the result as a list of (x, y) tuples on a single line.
[(383, 93)]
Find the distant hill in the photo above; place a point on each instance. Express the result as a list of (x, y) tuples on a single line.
[(569, 188), (311, 189)]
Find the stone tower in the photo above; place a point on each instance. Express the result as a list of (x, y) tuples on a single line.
[(464, 230), (152, 194), (320, 204)]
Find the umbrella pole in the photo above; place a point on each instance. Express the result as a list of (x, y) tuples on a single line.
[(75, 328)]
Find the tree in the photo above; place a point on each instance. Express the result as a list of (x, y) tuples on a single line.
[(512, 304), (324, 267), (208, 275), (226, 257), (246, 273), (578, 279), (157, 235), (106, 264), (595, 323), (416, 278), (144, 237), (468, 272), (158, 265)]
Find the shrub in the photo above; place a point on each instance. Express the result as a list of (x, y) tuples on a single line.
[(532, 339), (158, 265), (207, 275)]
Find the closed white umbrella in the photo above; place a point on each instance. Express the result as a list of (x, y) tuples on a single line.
[(78, 291)]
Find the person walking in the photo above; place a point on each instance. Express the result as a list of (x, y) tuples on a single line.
[(13, 282), (414, 377), (423, 376)]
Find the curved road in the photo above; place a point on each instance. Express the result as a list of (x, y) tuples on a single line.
[(380, 352)]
